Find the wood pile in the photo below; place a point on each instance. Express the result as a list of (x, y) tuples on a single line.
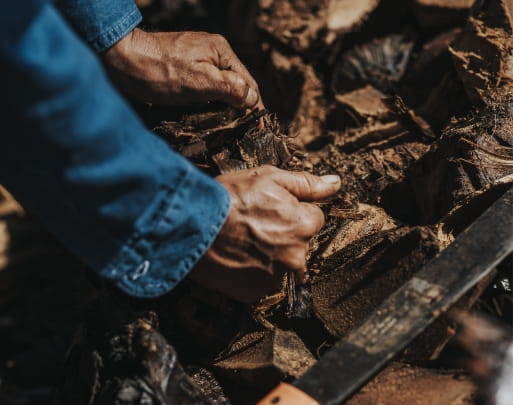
[(409, 101)]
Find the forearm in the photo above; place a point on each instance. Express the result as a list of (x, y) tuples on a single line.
[(75, 154)]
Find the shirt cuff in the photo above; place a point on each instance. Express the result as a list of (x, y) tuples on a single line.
[(118, 30), (174, 233), (101, 23)]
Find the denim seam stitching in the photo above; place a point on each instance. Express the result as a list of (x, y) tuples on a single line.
[(110, 36)]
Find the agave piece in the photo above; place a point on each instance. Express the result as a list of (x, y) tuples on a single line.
[(381, 62)]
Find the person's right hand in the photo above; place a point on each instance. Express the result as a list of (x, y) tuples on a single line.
[(266, 233), (179, 68)]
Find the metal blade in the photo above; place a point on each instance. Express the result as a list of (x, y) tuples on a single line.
[(407, 312)]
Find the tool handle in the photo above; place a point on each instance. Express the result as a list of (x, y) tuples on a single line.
[(286, 394)]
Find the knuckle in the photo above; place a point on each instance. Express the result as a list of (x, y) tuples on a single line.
[(296, 261), (267, 170), (218, 39), (312, 222), (239, 89)]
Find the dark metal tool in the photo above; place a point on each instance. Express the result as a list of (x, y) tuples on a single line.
[(406, 313)]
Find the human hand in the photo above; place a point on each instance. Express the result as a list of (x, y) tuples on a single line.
[(266, 232), (176, 68)]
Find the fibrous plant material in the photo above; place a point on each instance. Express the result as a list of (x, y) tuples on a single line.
[(482, 52), (364, 104), (346, 226), (428, 68), (307, 24), (472, 153), (377, 155), (228, 141), (263, 358)]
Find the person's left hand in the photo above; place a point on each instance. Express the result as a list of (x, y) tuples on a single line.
[(176, 68)]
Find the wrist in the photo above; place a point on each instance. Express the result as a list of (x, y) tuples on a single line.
[(121, 49)]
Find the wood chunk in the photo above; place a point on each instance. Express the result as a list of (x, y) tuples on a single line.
[(344, 15), (263, 358), (370, 160), (408, 118), (441, 13), (307, 119), (363, 221), (357, 107), (472, 153), (466, 211), (306, 24), (403, 384), (381, 62), (356, 279), (431, 85), (208, 384), (482, 52)]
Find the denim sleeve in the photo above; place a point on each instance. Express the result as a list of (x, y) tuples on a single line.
[(74, 153), (101, 23)]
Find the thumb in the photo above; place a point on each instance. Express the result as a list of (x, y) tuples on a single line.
[(306, 186)]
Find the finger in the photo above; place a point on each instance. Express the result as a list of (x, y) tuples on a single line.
[(312, 219), (306, 186), (236, 91), (294, 261), (228, 60)]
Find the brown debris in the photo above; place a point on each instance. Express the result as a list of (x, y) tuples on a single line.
[(223, 142), (306, 24), (356, 279), (432, 86), (369, 159), (482, 52), (472, 154), (307, 118), (359, 106), (263, 358), (403, 384), (357, 223)]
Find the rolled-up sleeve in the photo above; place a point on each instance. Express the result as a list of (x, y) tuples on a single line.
[(101, 23), (74, 153)]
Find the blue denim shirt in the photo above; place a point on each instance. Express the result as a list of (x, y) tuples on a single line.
[(101, 23), (73, 152)]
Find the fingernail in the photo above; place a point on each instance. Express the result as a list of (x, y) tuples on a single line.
[(331, 179), (251, 98)]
